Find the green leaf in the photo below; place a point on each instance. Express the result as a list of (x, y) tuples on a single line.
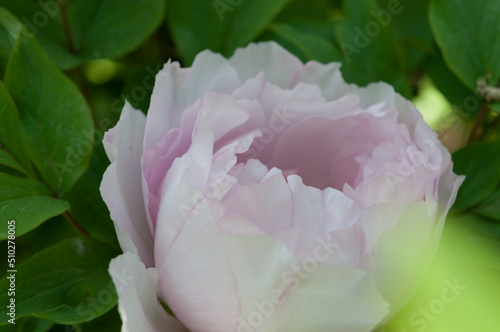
[(313, 10), (219, 25), (306, 46), (67, 283), (7, 160), (369, 46), (29, 324), (480, 163), (464, 101), (11, 136), (412, 30), (10, 28), (32, 324), (28, 202), (110, 321), (495, 107), (53, 114), (491, 206), (98, 28), (468, 33), (36, 240)]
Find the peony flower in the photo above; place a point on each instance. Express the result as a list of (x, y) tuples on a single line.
[(263, 194)]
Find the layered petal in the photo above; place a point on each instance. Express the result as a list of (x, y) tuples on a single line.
[(265, 57), (279, 293), (177, 88), (276, 197), (196, 279), (121, 184), (138, 303)]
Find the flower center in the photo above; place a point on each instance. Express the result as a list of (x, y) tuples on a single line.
[(322, 151)]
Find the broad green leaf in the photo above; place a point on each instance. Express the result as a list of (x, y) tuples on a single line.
[(37, 240), (221, 26), (490, 207), (304, 45), (495, 107), (27, 202), (468, 33), (465, 102), (29, 324), (369, 46), (53, 114), (11, 136), (87, 206), (411, 28), (312, 10), (6, 42), (67, 283), (99, 28), (10, 28), (32, 324), (110, 321), (7, 160), (480, 163)]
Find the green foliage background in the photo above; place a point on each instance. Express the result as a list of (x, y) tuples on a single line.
[(67, 66)]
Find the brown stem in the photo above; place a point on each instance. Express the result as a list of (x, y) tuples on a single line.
[(76, 224), (479, 120), (67, 30)]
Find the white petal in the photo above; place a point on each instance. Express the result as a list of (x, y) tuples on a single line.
[(331, 298), (403, 252), (177, 88), (121, 184), (329, 79), (280, 66), (278, 294), (270, 95), (138, 302), (196, 280), (267, 204)]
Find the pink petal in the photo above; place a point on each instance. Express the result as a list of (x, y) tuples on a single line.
[(328, 78), (279, 293), (121, 184), (331, 298), (177, 88), (138, 302), (402, 254), (264, 57), (196, 279), (268, 204)]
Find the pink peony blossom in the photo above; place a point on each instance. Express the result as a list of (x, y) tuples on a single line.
[(263, 194)]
